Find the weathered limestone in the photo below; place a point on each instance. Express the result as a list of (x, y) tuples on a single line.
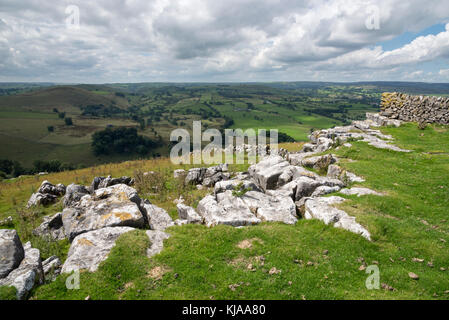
[(102, 182), (158, 218), (74, 193), (51, 227), (226, 209), (271, 208), (28, 274), (360, 192), (322, 209), (117, 205), (335, 172), (206, 176), (223, 186), (157, 238), (266, 173), (51, 268), (188, 214), (11, 251), (46, 194), (89, 249)]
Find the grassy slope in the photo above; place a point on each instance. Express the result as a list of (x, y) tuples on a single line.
[(410, 222)]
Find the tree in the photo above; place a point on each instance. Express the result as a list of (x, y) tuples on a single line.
[(50, 128), (61, 115), (121, 140), (68, 121), (55, 110)]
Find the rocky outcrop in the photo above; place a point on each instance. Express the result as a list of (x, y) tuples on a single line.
[(267, 172), (188, 214), (11, 251), (46, 194), (158, 218), (335, 172), (51, 227), (358, 130), (28, 273), (74, 193), (420, 109), (227, 210), (323, 209), (114, 206), (102, 182), (233, 184), (206, 176), (89, 249)]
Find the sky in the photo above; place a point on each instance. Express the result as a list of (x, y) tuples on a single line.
[(109, 41)]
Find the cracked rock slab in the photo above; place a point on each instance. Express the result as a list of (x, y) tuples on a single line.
[(266, 173), (227, 210), (271, 208), (89, 249), (117, 205), (323, 209)]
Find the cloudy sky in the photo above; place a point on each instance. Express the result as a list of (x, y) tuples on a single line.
[(232, 40)]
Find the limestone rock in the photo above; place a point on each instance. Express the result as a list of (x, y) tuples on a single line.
[(318, 162), (223, 186), (51, 227), (323, 190), (28, 274), (271, 208), (322, 209), (189, 214), (38, 199), (102, 182), (360, 192), (266, 173), (89, 249), (51, 268), (6, 222), (11, 251), (158, 218), (230, 211), (117, 205), (179, 174), (157, 238), (195, 176), (46, 194), (73, 195)]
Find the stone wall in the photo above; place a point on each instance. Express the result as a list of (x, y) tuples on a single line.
[(415, 108)]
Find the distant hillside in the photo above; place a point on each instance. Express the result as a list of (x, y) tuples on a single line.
[(65, 98)]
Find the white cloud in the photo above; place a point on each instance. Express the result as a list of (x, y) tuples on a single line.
[(181, 40)]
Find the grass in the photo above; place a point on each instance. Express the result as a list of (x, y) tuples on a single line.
[(316, 261), (7, 293)]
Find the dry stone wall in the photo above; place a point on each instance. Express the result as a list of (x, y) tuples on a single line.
[(406, 107)]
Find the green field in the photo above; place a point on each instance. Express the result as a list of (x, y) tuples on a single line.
[(292, 108), (316, 261)]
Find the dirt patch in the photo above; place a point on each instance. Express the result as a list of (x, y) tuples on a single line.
[(248, 243), (158, 272), (249, 263)]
